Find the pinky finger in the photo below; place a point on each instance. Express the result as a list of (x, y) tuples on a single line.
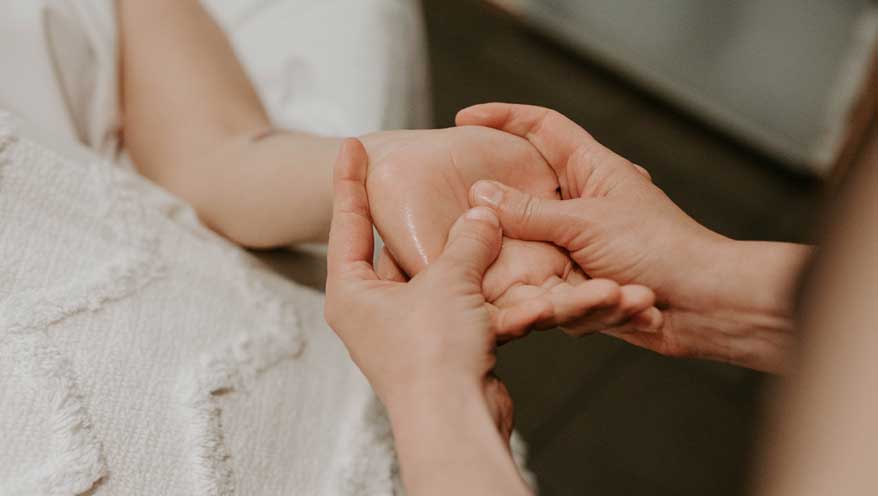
[(516, 321), (634, 300), (649, 320), (647, 340)]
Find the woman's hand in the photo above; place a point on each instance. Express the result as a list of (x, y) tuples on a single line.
[(721, 299), (418, 183), (427, 345)]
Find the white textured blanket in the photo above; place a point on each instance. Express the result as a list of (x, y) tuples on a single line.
[(139, 352), (142, 354)]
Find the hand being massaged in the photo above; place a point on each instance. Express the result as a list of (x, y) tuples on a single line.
[(427, 344), (418, 185)]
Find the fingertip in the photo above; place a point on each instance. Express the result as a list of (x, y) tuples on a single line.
[(475, 115), (477, 222), (611, 290), (351, 161), (518, 321), (487, 193), (635, 298), (649, 320), (483, 214), (643, 172), (474, 242)]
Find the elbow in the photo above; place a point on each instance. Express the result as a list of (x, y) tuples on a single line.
[(246, 236), (231, 221)]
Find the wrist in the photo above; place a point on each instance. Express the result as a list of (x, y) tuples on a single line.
[(420, 394), (447, 441), (739, 308), (375, 141)]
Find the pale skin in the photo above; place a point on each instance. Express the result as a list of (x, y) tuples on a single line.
[(207, 138), (418, 182), (204, 135), (823, 441), (426, 345), (721, 299)]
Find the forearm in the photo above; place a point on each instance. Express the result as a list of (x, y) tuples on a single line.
[(744, 303), (264, 192), (194, 124), (447, 443)]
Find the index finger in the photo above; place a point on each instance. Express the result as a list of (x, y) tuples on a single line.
[(350, 236), (558, 139)]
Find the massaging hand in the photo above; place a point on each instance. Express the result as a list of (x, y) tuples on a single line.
[(437, 327), (616, 224), (418, 184)]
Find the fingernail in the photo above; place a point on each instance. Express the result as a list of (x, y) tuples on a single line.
[(487, 193), (483, 214)]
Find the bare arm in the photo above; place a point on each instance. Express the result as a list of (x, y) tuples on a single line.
[(722, 300), (448, 443), (195, 125), (426, 345), (825, 436)]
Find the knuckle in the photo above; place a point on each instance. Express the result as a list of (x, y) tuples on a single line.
[(584, 155), (478, 236), (538, 125), (529, 210)]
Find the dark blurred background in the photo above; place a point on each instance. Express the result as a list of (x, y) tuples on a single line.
[(602, 417)]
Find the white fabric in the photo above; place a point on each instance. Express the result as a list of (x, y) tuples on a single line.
[(337, 67), (142, 354), (139, 352)]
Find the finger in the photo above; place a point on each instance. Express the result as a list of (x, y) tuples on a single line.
[(530, 218), (649, 320), (555, 136), (661, 340), (387, 268), (350, 236), (643, 172), (586, 298), (473, 244), (633, 300), (568, 303), (517, 320), (647, 340)]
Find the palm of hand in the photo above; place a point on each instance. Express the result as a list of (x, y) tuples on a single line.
[(418, 185)]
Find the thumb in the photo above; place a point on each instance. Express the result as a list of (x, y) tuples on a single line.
[(531, 218), (473, 243)]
